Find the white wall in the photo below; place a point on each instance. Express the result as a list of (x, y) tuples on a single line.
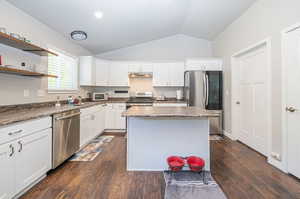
[(11, 86), (265, 18), (177, 47)]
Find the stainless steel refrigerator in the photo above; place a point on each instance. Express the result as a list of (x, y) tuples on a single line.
[(205, 89)]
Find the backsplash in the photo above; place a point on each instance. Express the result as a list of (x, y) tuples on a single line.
[(140, 85)]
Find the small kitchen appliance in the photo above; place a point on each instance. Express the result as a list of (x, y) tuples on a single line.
[(179, 95), (99, 96)]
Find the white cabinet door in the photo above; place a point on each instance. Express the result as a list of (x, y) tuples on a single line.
[(176, 74), (87, 71), (118, 74), (120, 122), (109, 117), (99, 120), (33, 158), (147, 67), (102, 72), (7, 171), (102, 119), (134, 68), (85, 128), (160, 75)]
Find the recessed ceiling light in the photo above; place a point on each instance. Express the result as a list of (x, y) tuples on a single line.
[(79, 35), (98, 14)]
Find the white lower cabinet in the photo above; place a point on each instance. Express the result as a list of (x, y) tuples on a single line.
[(7, 171), (113, 117), (92, 123), (25, 157), (35, 150)]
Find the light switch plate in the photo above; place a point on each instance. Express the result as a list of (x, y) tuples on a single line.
[(26, 93)]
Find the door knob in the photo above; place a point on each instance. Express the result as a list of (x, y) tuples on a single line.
[(290, 109)]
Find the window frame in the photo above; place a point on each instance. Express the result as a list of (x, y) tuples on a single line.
[(76, 84)]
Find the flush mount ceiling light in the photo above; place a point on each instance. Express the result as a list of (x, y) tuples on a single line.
[(78, 35), (98, 14)]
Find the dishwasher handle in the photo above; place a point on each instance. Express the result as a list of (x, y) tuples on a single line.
[(67, 116)]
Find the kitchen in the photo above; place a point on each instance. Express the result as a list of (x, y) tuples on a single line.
[(113, 106)]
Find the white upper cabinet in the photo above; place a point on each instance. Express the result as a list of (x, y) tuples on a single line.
[(206, 64), (102, 72), (118, 74), (176, 74), (160, 74), (168, 75), (87, 65), (140, 67)]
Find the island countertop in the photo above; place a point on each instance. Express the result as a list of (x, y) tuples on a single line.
[(148, 111)]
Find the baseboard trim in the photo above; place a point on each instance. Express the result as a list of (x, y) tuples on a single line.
[(229, 135), (276, 163), (29, 187)]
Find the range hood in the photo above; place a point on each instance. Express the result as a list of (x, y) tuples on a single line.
[(141, 75)]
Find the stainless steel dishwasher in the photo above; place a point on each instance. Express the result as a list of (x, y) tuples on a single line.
[(66, 136)]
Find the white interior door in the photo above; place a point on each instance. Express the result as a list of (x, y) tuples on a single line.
[(253, 99), (292, 88)]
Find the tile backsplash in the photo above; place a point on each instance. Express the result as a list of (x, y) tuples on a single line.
[(140, 85)]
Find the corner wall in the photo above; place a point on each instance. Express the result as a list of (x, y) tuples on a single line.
[(175, 48), (12, 86), (265, 18)]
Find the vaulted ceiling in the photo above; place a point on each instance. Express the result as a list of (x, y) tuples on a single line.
[(129, 22)]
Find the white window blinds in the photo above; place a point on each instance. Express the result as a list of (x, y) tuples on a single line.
[(66, 68)]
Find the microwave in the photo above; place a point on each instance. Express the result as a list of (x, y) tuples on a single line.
[(99, 96)]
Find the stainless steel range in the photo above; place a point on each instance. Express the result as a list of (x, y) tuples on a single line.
[(140, 99)]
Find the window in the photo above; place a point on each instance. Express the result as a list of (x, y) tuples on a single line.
[(66, 68)]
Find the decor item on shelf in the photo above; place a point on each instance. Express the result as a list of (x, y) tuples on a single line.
[(79, 35), (14, 35), (14, 40), (57, 104), (1, 60), (3, 30)]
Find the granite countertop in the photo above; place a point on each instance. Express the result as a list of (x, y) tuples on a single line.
[(170, 100), (19, 114), (169, 112)]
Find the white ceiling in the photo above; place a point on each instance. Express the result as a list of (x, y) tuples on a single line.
[(130, 22)]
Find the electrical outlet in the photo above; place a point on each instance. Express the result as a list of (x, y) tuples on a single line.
[(40, 93), (276, 156), (26, 93)]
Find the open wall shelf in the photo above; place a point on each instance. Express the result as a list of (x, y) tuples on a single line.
[(23, 72), (25, 46)]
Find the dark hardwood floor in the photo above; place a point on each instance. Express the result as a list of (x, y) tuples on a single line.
[(241, 172)]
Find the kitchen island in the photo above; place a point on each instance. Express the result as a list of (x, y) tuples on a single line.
[(155, 133)]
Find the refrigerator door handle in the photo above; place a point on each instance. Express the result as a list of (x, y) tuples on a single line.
[(204, 90), (207, 90)]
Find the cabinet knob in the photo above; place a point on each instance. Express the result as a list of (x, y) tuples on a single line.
[(238, 102)]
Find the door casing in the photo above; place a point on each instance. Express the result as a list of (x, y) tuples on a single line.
[(235, 92), (284, 34)]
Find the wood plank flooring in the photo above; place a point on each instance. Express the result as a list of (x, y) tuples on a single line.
[(241, 172)]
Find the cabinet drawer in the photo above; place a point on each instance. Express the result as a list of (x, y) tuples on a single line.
[(18, 130), (119, 106)]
